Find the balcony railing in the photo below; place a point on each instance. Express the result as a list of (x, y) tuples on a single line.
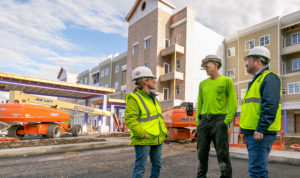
[(171, 76), (290, 49), (172, 49)]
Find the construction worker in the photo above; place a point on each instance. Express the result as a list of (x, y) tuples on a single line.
[(261, 111), (144, 119), (217, 104)]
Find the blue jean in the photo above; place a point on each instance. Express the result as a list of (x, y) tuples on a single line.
[(258, 155), (141, 153)]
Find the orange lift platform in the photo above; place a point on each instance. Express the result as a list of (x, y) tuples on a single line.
[(237, 139)]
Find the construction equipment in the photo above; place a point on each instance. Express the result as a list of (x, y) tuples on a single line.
[(180, 121), (236, 139), (37, 119)]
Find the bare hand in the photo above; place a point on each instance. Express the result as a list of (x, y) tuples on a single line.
[(258, 136)]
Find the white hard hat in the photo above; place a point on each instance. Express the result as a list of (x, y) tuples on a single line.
[(142, 72), (212, 58), (259, 51)]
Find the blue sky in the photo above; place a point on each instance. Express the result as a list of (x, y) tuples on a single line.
[(37, 37)]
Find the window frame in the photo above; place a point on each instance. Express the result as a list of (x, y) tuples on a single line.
[(297, 64), (117, 67), (145, 42), (233, 73), (229, 49), (137, 48), (264, 37), (177, 89), (165, 68), (249, 44), (178, 62), (168, 93), (116, 82), (294, 90), (298, 38)]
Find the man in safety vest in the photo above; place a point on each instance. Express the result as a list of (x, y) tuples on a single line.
[(217, 104), (261, 110), (144, 119)]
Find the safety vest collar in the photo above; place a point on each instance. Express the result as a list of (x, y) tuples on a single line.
[(149, 117)]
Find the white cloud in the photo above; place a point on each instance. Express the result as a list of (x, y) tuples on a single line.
[(226, 17), (31, 33)]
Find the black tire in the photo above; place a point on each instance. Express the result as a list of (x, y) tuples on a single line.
[(13, 131), (53, 131), (76, 130)]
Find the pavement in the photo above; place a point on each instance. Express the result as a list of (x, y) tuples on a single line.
[(284, 157)]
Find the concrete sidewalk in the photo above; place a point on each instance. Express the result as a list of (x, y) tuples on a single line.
[(284, 157), (27, 151)]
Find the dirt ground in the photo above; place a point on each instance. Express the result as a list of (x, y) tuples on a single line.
[(187, 145)]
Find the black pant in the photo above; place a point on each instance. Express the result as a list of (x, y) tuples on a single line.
[(213, 129)]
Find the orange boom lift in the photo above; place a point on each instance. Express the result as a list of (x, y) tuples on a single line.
[(47, 121)]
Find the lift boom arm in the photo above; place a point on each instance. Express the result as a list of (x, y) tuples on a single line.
[(20, 97)]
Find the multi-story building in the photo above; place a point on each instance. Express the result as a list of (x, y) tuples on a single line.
[(281, 35), (110, 73), (172, 45)]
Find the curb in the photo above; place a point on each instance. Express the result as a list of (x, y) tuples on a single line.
[(26, 151), (272, 158)]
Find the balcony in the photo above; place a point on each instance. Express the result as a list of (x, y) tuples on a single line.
[(171, 76), (290, 49), (172, 49)]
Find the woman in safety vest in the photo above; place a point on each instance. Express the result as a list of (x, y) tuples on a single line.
[(144, 119)]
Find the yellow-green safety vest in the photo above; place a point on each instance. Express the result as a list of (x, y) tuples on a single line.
[(251, 107), (150, 118)]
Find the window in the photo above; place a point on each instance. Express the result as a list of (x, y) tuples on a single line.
[(167, 43), (230, 52), (135, 48), (295, 38), (147, 43), (294, 88), (106, 85), (81, 81), (265, 40), (85, 80), (102, 73), (178, 64), (106, 71), (166, 68), (116, 85), (147, 64), (166, 93), (177, 90), (117, 68), (249, 45), (231, 73), (96, 78), (295, 64), (243, 92)]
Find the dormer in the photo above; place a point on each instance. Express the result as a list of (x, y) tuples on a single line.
[(143, 7)]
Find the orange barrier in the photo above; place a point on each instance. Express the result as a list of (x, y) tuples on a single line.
[(236, 139)]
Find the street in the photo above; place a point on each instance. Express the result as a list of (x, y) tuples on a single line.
[(179, 160)]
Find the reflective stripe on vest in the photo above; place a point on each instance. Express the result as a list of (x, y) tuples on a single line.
[(253, 100), (251, 107), (148, 118)]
